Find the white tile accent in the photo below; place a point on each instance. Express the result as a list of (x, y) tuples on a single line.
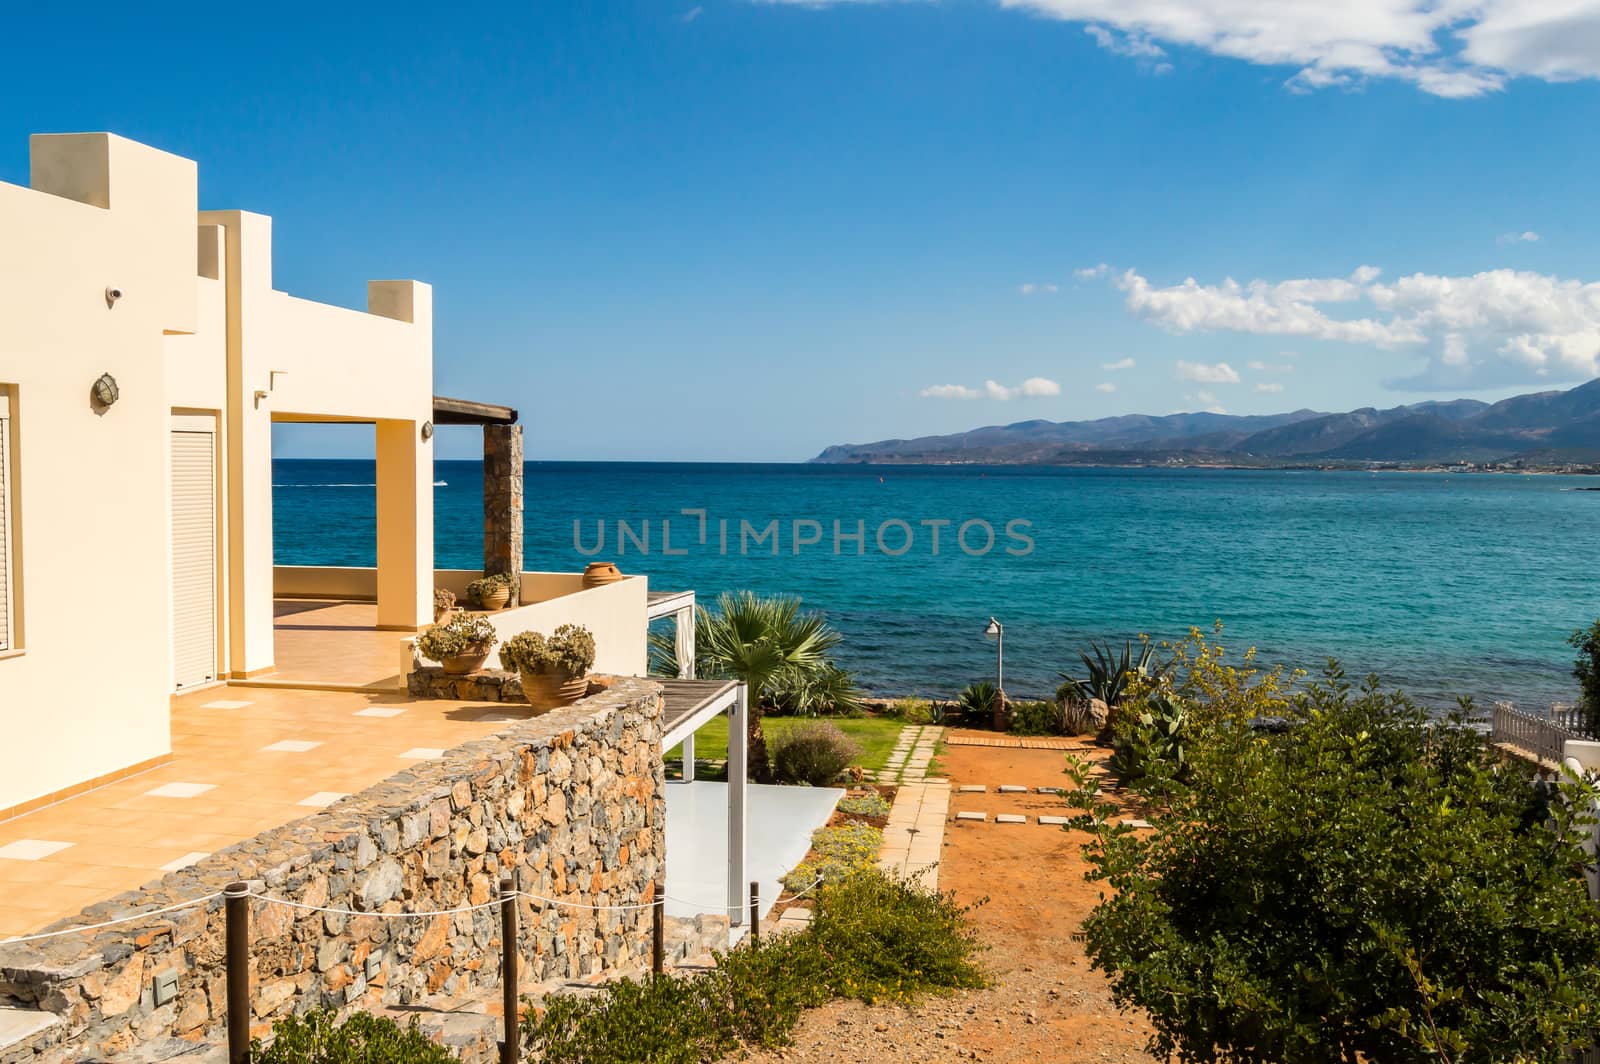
[(290, 746), (322, 799), (972, 816), (180, 790), (185, 861), (971, 788), (31, 849), (1053, 821), (420, 752), (225, 703), (1012, 788), (1010, 818), (379, 711)]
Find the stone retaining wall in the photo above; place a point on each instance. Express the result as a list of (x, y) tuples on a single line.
[(571, 804)]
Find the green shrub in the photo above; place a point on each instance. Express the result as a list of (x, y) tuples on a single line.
[(661, 1019), (1155, 740), (812, 752), (1365, 885), (912, 710), (814, 692), (569, 649), (318, 1038), (873, 804), (1035, 718), (870, 938), (1586, 669), (890, 940), (837, 853)]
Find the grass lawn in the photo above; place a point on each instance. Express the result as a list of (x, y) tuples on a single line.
[(875, 735)]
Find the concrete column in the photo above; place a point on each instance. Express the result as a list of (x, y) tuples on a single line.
[(502, 499), (405, 526)]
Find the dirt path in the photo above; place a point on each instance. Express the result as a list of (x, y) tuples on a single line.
[(1045, 1004)]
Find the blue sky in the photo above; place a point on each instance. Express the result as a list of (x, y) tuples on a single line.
[(786, 223)]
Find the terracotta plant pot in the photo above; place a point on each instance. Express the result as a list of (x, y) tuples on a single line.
[(471, 660), (442, 614), (550, 690), (596, 574), (496, 599)]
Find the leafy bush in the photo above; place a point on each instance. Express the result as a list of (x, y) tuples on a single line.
[(1077, 718), (812, 752), (1363, 885), (443, 598), (1586, 668), (977, 699), (1155, 742), (872, 804), (457, 636), (318, 1038), (837, 854), (1106, 676), (912, 710), (870, 938), (1035, 718), (569, 649), (889, 940), (810, 693)]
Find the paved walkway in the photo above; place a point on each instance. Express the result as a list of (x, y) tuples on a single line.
[(908, 762), (915, 832)]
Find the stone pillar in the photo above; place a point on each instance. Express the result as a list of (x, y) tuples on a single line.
[(502, 500)]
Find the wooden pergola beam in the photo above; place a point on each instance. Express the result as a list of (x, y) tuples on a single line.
[(448, 411)]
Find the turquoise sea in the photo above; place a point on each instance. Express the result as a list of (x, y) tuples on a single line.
[(1443, 584)]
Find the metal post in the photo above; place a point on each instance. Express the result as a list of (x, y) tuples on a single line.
[(738, 762), (508, 969), (755, 912), (236, 914), (1000, 660), (658, 932)]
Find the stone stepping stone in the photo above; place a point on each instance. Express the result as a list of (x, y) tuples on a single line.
[(1051, 790), (971, 788), (1137, 823), (980, 817), (1053, 821), (1012, 788), (1010, 818)]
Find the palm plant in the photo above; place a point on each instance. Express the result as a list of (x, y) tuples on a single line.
[(1107, 675), (773, 646), (977, 699)]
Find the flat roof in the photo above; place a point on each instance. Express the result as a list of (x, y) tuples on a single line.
[(448, 411)]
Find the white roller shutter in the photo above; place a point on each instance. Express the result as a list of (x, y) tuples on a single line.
[(5, 524), (194, 559)]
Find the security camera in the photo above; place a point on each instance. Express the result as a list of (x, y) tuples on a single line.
[(113, 293)]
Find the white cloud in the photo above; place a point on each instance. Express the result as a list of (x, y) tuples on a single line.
[(1032, 388), (1221, 373), (1450, 48), (1527, 236), (1032, 288), (1133, 45), (1495, 328), (1119, 364), (1271, 367), (1090, 273), (1208, 402), (1106, 387), (1269, 386), (692, 14)]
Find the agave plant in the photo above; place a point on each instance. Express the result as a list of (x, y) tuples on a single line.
[(777, 649), (1107, 675), (977, 699)]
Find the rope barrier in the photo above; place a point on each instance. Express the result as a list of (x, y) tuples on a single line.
[(424, 915), (112, 923)]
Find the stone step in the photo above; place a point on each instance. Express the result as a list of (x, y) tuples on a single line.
[(26, 1029)]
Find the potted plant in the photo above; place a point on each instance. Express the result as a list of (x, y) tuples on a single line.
[(493, 591), (444, 603), (554, 668), (461, 645)]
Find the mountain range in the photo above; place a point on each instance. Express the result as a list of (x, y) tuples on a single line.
[(1543, 429)]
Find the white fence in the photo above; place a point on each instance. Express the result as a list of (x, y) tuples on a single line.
[(1539, 734)]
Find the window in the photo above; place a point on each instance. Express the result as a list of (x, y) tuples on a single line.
[(7, 610)]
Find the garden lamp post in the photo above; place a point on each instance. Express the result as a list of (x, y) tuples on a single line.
[(997, 632)]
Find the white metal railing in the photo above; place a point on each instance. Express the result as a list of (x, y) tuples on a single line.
[(1541, 735)]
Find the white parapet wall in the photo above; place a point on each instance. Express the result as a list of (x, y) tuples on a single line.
[(614, 612), (1582, 757)]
